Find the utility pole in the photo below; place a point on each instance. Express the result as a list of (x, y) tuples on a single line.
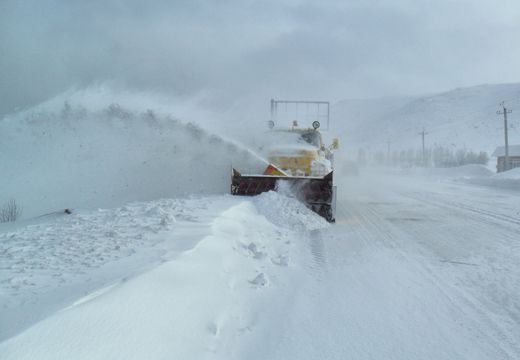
[(272, 110), (504, 112), (388, 142), (423, 133)]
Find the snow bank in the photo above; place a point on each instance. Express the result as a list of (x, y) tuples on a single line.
[(49, 262), (458, 172), (513, 174), (471, 174), (507, 182), (468, 171), (92, 148), (282, 209), (480, 175), (205, 303)]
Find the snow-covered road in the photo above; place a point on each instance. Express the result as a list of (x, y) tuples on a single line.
[(412, 270)]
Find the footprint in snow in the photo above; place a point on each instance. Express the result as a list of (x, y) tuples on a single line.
[(212, 328), (280, 260), (259, 281), (257, 254)]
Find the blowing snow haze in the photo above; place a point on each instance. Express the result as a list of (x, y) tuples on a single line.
[(255, 50)]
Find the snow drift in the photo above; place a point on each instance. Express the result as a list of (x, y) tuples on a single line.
[(206, 298), (470, 174)]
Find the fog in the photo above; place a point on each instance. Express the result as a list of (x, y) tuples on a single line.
[(230, 52)]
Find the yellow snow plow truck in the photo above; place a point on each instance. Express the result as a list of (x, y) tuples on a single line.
[(298, 160)]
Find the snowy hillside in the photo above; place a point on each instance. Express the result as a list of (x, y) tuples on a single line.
[(461, 118), (92, 148)]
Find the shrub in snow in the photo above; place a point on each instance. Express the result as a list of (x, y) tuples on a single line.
[(10, 211)]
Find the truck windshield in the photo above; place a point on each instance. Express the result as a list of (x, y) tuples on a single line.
[(292, 138), (312, 138)]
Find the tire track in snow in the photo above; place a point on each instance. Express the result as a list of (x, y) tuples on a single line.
[(318, 264), (488, 326), (450, 204), (375, 229), (486, 239)]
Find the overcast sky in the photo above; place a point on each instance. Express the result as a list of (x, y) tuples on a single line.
[(276, 48)]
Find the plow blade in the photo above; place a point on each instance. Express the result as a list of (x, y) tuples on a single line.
[(318, 194)]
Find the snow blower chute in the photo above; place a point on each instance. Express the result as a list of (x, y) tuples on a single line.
[(299, 162)]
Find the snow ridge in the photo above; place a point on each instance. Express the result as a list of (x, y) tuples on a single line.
[(206, 302)]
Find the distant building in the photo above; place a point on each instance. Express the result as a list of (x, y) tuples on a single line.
[(514, 157)]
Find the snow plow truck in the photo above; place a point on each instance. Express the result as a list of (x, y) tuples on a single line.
[(299, 160)]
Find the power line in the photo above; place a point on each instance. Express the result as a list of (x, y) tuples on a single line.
[(509, 100)]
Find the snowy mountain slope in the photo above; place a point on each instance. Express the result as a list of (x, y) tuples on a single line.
[(353, 114), (461, 118), (87, 149)]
